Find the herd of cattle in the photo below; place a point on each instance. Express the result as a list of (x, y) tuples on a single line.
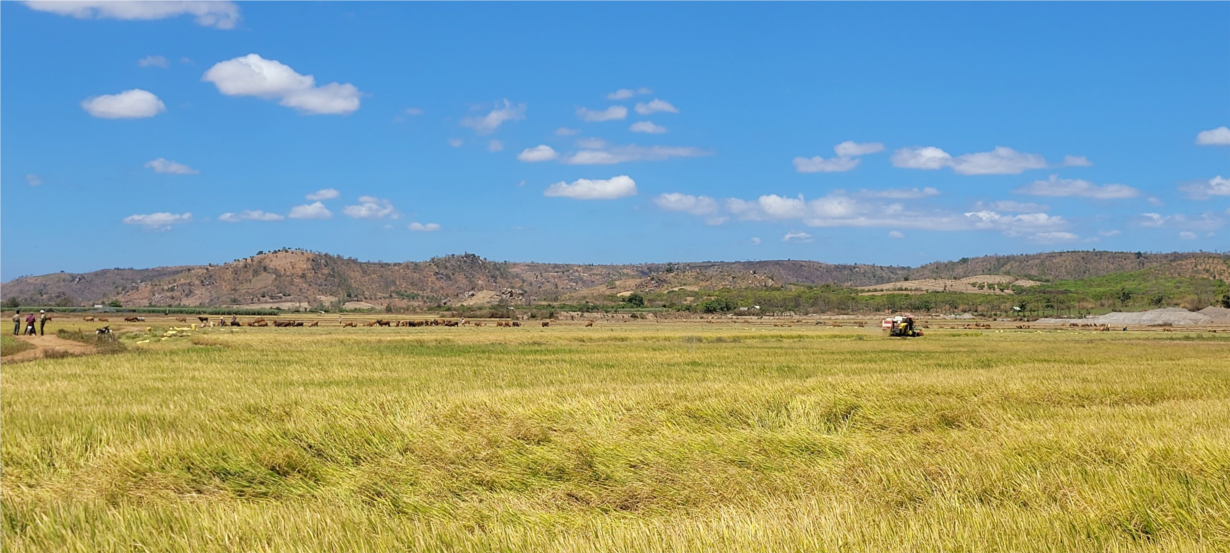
[(261, 322)]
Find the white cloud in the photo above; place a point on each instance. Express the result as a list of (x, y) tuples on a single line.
[(495, 146), (324, 194), (1216, 186), (219, 15), (153, 61), (163, 165), (1053, 237), (796, 238), (820, 165), (921, 158), (542, 152), (252, 75), (1076, 161), (421, 227), (412, 111), (647, 127), (249, 215), (34, 180), (1011, 206), (1214, 137), (621, 154), (503, 112), (1055, 186), (1109, 233), (625, 93), (370, 207), (158, 221), (609, 114), (655, 106), (455, 142), (696, 205), (1015, 225), (130, 104), (591, 143), (586, 189), (1000, 161), (1205, 222), (851, 148), (895, 234), (565, 131), (314, 210), (1186, 235), (900, 193), (755, 240), (1152, 220)]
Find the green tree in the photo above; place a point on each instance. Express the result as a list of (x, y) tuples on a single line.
[(115, 303), (1124, 296), (12, 303), (635, 300), (1225, 301)]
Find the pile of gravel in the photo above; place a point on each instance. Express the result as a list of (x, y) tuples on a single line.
[(1173, 316), (1219, 313)]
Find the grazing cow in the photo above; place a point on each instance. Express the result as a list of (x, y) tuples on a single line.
[(350, 324), (589, 324), (545, 324), (451, 323), (315, 323), (382, 322), (476, 323), (88, 319), (181, 319), (300, 323), (103, 330), (203, 319), (516, 323), (102, 319), (130, 319)]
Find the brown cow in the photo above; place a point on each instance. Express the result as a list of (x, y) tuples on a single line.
[(350, 324), (516, 323), (589, 324), (545, 324), (88, 319), (315, 323), (130, 319), (103, 319), (382, 322)]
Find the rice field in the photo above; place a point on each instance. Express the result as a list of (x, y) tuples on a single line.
[(633, 437)]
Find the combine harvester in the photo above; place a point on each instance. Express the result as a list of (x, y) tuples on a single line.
[(901, 326)]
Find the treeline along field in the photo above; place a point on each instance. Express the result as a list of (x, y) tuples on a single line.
[(684, 437)]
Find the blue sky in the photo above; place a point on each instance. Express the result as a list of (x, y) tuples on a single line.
[(155, 134)]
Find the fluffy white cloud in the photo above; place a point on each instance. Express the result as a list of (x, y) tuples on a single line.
[(421, 227), (1216, 186), (219, 15), (1000, 161), (609, 114), (455, 142), (1187, 235), (647, 127), (796, 238), (1205, 222), (324, 194), (541, 152), (1016, 225), (625, 93), (314, 210), (1076, 161), (130, 104), (163, 165), (249, 215), (1056, 186), (158, 221), (820, 165), (503, 112), (1011, 206), (1214, 137), (655, 106), (153, 61), (900, 193), (252, 75), (586, 189), (34, 180), (1053, 237), (370, 207), (851, 148), (621, 154), (895, 234), (1109, 233), (696, 205), (565, 131), (921, 158), (495, 146)]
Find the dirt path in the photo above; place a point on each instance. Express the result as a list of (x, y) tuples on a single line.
[(44, 343)]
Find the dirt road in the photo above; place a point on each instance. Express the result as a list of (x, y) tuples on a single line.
[(44, 343)]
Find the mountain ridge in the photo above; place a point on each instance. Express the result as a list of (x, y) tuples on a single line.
[(308, 279)]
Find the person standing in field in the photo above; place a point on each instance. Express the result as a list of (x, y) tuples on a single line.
[(16, 322), (42, 322), (30, 324)]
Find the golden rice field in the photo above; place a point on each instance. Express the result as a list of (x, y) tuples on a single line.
[(636, 437)]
